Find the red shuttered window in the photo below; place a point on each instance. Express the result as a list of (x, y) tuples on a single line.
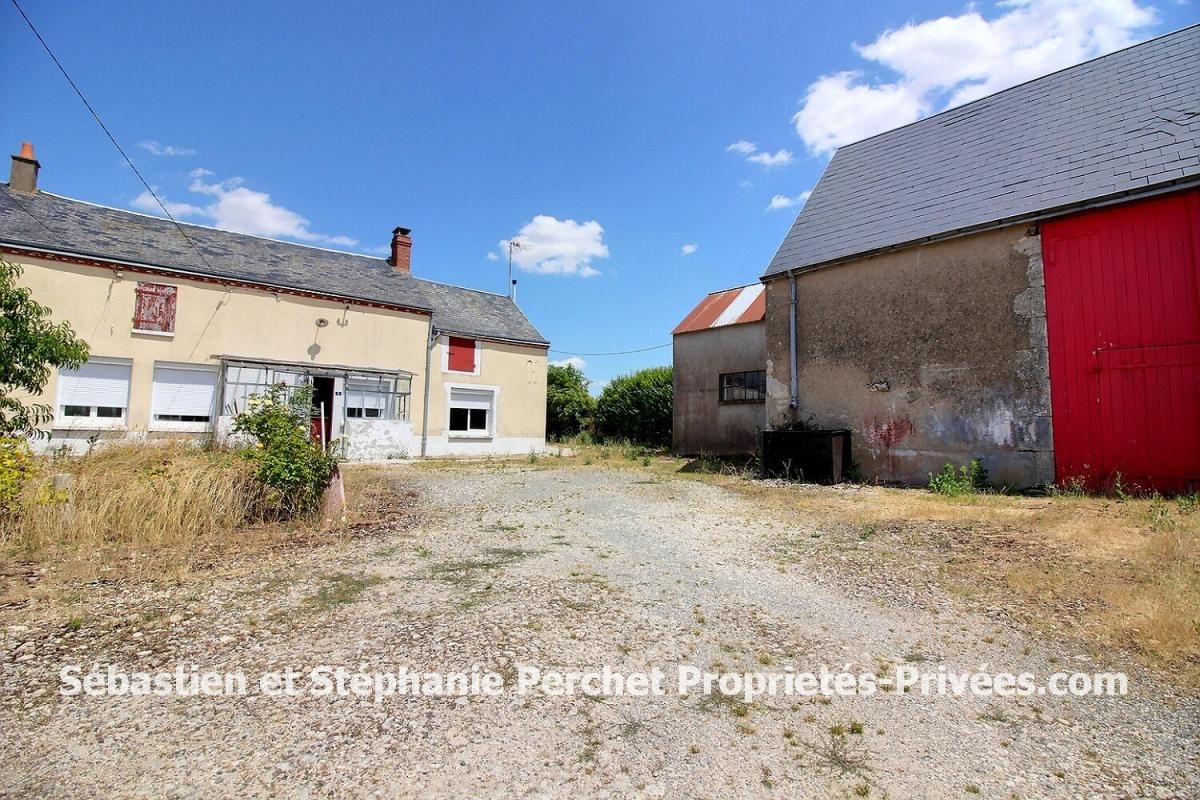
[(461, 355), (154, 308)]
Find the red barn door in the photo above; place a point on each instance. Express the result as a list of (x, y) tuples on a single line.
[(1123, 324)]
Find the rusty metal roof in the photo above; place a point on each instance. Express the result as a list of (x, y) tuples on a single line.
[(726, 307)]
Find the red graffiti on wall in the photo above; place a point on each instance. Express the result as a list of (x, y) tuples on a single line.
[(886, 434)]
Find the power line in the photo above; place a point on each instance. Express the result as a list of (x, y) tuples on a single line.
[(617, 353), (108, 133)]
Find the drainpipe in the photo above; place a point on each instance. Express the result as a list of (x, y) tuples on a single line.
[(425, 405), (794, 382)]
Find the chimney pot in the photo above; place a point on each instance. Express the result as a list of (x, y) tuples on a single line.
[(401, 259), (24, 175)]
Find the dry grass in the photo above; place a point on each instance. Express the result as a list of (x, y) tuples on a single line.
[(1120, 574), (158, 512)]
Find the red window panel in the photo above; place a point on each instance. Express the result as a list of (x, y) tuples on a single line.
[(154, 308), (462, 355)]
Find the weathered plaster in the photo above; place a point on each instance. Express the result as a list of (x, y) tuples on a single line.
[(702, 424), (929, 355)]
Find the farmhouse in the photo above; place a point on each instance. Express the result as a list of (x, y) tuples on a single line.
[(1014, 279), (186, 322), (720, 384)]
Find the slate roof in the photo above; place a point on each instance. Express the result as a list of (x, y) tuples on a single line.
[(85, 229), (1127, 122), (735, 306)]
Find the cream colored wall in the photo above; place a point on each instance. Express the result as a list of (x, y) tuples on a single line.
[(518, 371), (212, 320)]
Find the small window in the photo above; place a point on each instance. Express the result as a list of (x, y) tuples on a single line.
[(99, 390), (744, 387), (460, 355), (471, 411), (184, 393), (154, 308)]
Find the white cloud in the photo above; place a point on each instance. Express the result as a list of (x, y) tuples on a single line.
[(234, 207), (783, 201), (199, 172), (688, 249), (157, 148), (574, 361), (146, 202), (491, 256), (551, 246), (750, 151), (948, 61)]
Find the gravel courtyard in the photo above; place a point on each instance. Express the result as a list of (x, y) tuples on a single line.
[(573, 569)]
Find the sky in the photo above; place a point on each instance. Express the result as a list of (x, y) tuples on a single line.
[(644, 154)]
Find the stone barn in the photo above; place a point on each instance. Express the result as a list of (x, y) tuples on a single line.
[(1014, 279), (720, 381)]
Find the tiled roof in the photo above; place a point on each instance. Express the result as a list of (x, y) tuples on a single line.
[(727, 307), (1127, 122), (99, 232)]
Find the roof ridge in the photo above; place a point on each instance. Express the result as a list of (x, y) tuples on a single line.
[(1020, 85), (134, 213)]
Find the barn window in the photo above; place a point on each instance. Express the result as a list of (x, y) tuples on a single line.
[(471, 411), (462, 355), (377, 397), (184, 394), (154, 308), (744, 387), (95, 394)]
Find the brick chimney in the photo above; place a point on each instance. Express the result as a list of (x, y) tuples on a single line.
[(24, 171), (401, 259)]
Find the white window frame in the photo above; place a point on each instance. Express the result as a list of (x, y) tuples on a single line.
[(493, 411), (93, 422), (397, 406), (187, 427), (445, 343)]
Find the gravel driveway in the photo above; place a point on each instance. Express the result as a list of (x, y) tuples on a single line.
[(573, 569)]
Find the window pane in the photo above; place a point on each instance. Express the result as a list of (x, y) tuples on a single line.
[(458, 419), (77, 411), (478, 419), (109, 411)]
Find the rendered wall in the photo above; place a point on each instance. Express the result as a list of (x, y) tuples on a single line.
[(212, 320), (702, 424), (930, 355)]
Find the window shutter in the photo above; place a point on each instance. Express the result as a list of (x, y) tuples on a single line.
[(154, 308), (184, 392), (462, 354), (96, 383), (470, 398)]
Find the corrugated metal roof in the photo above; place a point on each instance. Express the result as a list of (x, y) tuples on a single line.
[(1125, 122), (53, 222), (727, 307)]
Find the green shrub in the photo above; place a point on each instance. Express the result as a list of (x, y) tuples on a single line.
[(16, 465), (569, 406), (293, 470), (637, 407), (970, 478)]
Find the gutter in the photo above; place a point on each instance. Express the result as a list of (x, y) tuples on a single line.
[(794, 383), (429, 342)]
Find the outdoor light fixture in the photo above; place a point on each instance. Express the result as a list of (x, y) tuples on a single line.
[(322, 322)]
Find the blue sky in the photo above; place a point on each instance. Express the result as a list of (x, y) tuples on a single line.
[(647, 153)]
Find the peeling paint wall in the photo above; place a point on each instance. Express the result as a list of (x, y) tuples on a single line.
[(932, 354), (375, 439), (701, 424)]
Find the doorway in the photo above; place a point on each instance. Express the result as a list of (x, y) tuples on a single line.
[(322, 412)]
